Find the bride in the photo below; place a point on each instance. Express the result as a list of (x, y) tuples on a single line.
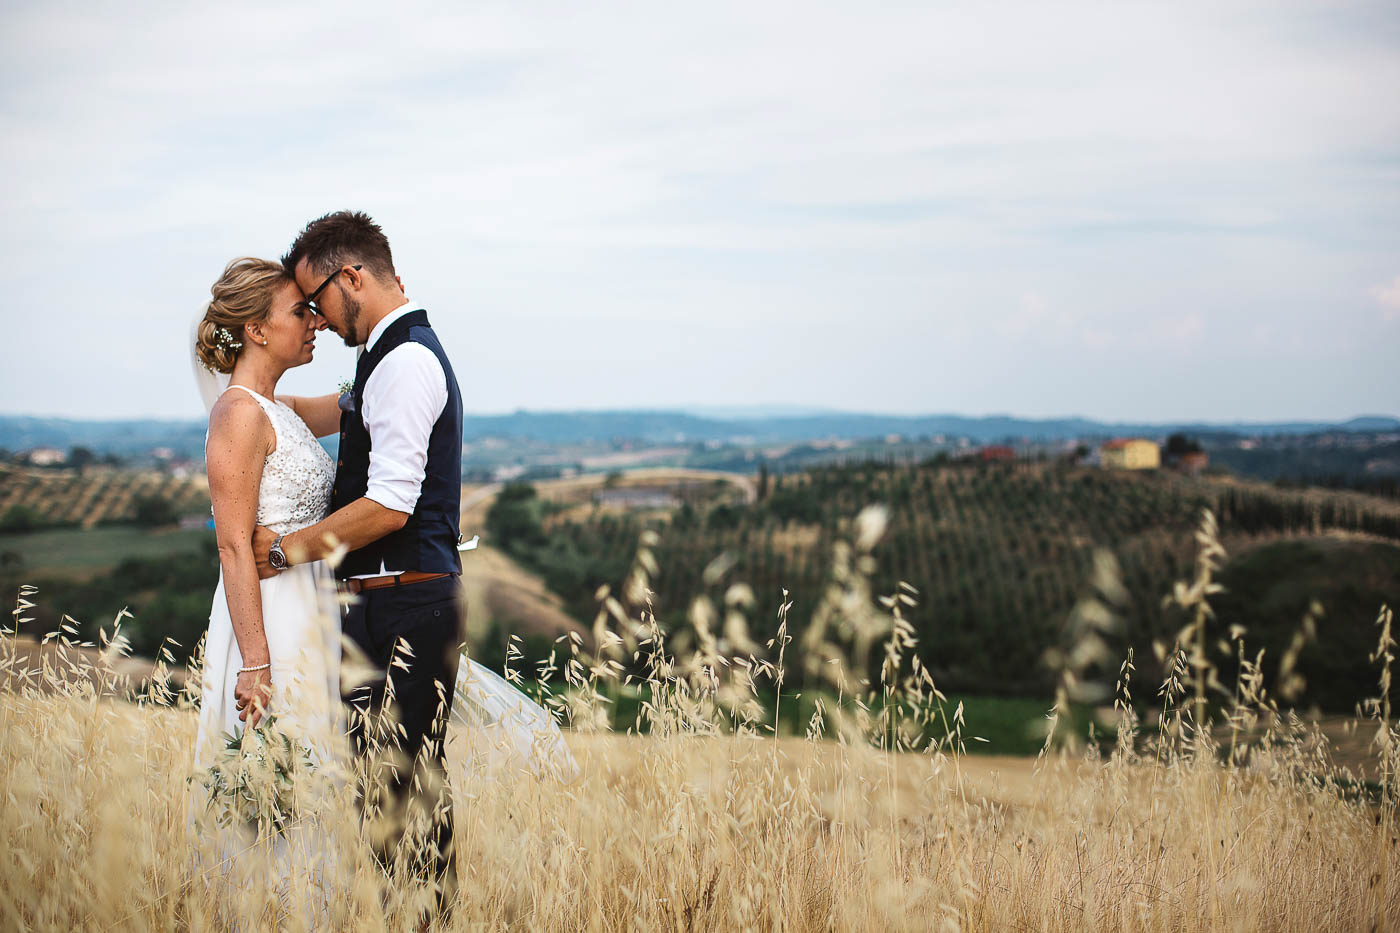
[(274, 645)]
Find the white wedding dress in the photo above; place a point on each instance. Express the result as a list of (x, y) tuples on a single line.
[(301, 617), (495, 731), (301, 621)]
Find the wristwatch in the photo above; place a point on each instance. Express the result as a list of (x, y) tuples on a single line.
[(275, 558)]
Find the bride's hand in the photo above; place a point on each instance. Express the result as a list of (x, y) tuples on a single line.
[(252, 694)]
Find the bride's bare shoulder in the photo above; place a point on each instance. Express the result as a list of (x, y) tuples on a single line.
[(237, 420)]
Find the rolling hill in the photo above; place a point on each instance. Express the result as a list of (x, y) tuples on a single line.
[(999, 554)]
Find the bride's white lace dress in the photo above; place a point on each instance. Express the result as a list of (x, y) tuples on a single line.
[(300, 614), (301, 621)]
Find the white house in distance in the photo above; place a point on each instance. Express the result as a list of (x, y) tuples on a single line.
[(1130, 453), (46, 456)]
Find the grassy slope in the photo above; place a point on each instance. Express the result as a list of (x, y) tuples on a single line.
[(1000, 555), (164, 578), (991, 725), (1273, 585), (64, 551)]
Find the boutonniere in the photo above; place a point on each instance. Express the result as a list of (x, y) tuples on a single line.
[(346, 402), (347, 387)]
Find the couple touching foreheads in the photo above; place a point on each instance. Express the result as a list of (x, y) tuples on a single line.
[(386, 513)]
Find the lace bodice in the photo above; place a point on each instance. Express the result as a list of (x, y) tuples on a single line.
[(297, 476)]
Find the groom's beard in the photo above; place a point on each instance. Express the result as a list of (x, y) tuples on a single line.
[(352, 320)]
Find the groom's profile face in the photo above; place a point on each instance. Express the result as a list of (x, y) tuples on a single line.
[(338, 309)]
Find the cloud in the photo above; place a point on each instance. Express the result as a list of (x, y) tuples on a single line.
[(676, 189), (1388, 297), (1035, 318), (1186, 328)]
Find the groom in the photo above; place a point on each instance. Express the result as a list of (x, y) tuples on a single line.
[(395, 503)]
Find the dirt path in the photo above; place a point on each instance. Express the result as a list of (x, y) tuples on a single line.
[(499, 590)]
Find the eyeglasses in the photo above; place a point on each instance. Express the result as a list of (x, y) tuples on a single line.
[(311, 298)]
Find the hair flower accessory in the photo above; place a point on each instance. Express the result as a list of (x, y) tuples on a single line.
[(224, 337)]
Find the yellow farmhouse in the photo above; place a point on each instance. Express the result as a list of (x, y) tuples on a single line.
[(1130, 453)]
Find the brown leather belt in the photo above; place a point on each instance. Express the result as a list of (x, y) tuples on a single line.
[(360, 584)]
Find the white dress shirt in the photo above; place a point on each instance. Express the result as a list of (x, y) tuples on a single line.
[(403, 399)]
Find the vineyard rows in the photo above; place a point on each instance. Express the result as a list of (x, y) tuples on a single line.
[(96, 495), (999, 554)]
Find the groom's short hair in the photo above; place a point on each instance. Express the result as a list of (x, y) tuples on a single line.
[(342, 238)]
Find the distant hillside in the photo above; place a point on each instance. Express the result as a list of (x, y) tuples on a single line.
[(670, 427), (99, 495), (999, 553), (124, 438), (186, 438)]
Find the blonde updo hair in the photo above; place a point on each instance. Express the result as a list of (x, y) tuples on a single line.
[(242, 295)]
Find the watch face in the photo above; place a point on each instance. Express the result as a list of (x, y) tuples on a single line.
[(277, 559)]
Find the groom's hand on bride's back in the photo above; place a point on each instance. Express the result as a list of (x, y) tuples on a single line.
[(262, 548)]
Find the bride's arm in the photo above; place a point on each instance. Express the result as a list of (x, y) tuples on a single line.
[(240, 438), (321, 412)]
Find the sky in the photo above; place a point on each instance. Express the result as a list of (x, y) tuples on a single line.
[(1137, 212)]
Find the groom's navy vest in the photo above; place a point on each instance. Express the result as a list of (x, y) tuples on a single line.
[(428, 542)]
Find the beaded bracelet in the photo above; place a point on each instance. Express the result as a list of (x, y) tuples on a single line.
[(251, 670)]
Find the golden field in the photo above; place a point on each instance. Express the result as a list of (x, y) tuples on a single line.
[(710, 822), (721, 833)]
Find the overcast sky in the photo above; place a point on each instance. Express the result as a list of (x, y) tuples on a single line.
[(1117, 210)]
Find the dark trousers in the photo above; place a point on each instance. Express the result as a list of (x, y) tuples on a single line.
[(398, 723)]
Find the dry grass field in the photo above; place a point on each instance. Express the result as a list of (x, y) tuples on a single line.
[(718, 833), (709, 822)]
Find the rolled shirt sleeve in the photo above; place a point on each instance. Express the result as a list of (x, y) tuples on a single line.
[(403, 399)]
